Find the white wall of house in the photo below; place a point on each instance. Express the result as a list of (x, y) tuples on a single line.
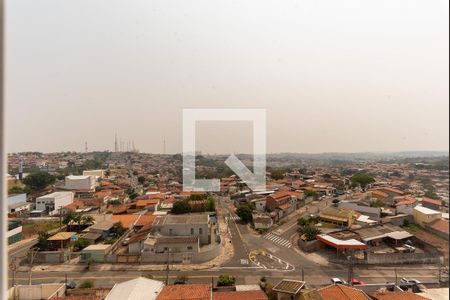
[(80, 182), (54, 201)]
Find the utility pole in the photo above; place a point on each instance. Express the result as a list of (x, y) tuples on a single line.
[(168, 266), (396, 278), (350, 268), (32, 256), (13, 268)]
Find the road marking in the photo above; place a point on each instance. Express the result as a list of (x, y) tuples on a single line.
[(278, 240)]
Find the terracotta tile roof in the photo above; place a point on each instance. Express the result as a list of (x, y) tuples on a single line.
[(406, 201), (145, 220), (76, 204), (284, 206), (146, 202), (396, 296), (78, 297), (379, 193), (439, 225), (341, 292), (242, 295), (189, 291), (126, 220), (117, 209), (279, 196), (432, 201)]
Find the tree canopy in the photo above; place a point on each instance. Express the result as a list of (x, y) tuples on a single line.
[(245, 213), (39, 180), (363, 179), (181, 207)]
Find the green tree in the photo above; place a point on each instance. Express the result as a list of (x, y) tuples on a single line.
[(310, 232), (181, 207), (226, 280), (362, 179), (432, 195), (42, 243), (245, 213), (39, 180), (15, 190), (80, 244), (69, 217), (141, 179), (313, 194), (210, 204), (277, 174), (302, 222), (132, 194), (118, 229)]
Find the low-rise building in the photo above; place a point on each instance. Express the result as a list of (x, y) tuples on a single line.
[(184, 225), (80, 183), (14, 233), (95, 173), (434, 204), (337, 216), (423, 215), (51, 203), (136, 289), (262, 221)]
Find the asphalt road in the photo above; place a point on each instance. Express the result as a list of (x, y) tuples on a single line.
[(314, 276)]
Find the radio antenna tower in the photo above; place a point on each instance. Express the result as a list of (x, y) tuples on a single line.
[(85, 147), (164, 146), (116, 144)]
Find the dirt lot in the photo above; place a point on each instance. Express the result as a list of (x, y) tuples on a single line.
[(33, 228), (432, 239)]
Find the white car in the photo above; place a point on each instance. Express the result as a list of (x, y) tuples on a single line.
[(409, 281), (338, 281)]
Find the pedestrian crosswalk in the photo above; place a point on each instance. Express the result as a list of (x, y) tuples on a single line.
[(278, 240), (233, 218)]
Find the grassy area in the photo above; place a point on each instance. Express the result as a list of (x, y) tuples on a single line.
[(31, 229)]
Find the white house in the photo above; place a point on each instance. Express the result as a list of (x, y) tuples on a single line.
[(52, 202), (136, 289), (423, 215), (83, 182)]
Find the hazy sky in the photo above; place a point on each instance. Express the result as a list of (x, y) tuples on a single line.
[(344, 76)]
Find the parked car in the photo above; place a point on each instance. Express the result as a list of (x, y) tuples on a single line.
[(126, 241), (409, 281), (338, 281), (357, 282), (70, 285)]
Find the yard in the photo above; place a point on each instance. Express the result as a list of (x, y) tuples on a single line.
[(430, 238)]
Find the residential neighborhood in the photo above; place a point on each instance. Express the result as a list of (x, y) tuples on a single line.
[(314, 233)]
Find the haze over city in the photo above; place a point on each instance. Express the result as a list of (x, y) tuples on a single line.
[(334, 76)]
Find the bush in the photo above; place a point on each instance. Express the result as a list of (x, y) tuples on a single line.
[(87, 284), (226, 280)]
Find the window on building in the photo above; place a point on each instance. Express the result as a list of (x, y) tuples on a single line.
[(192, 231), (200, 231), (189, 248)]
